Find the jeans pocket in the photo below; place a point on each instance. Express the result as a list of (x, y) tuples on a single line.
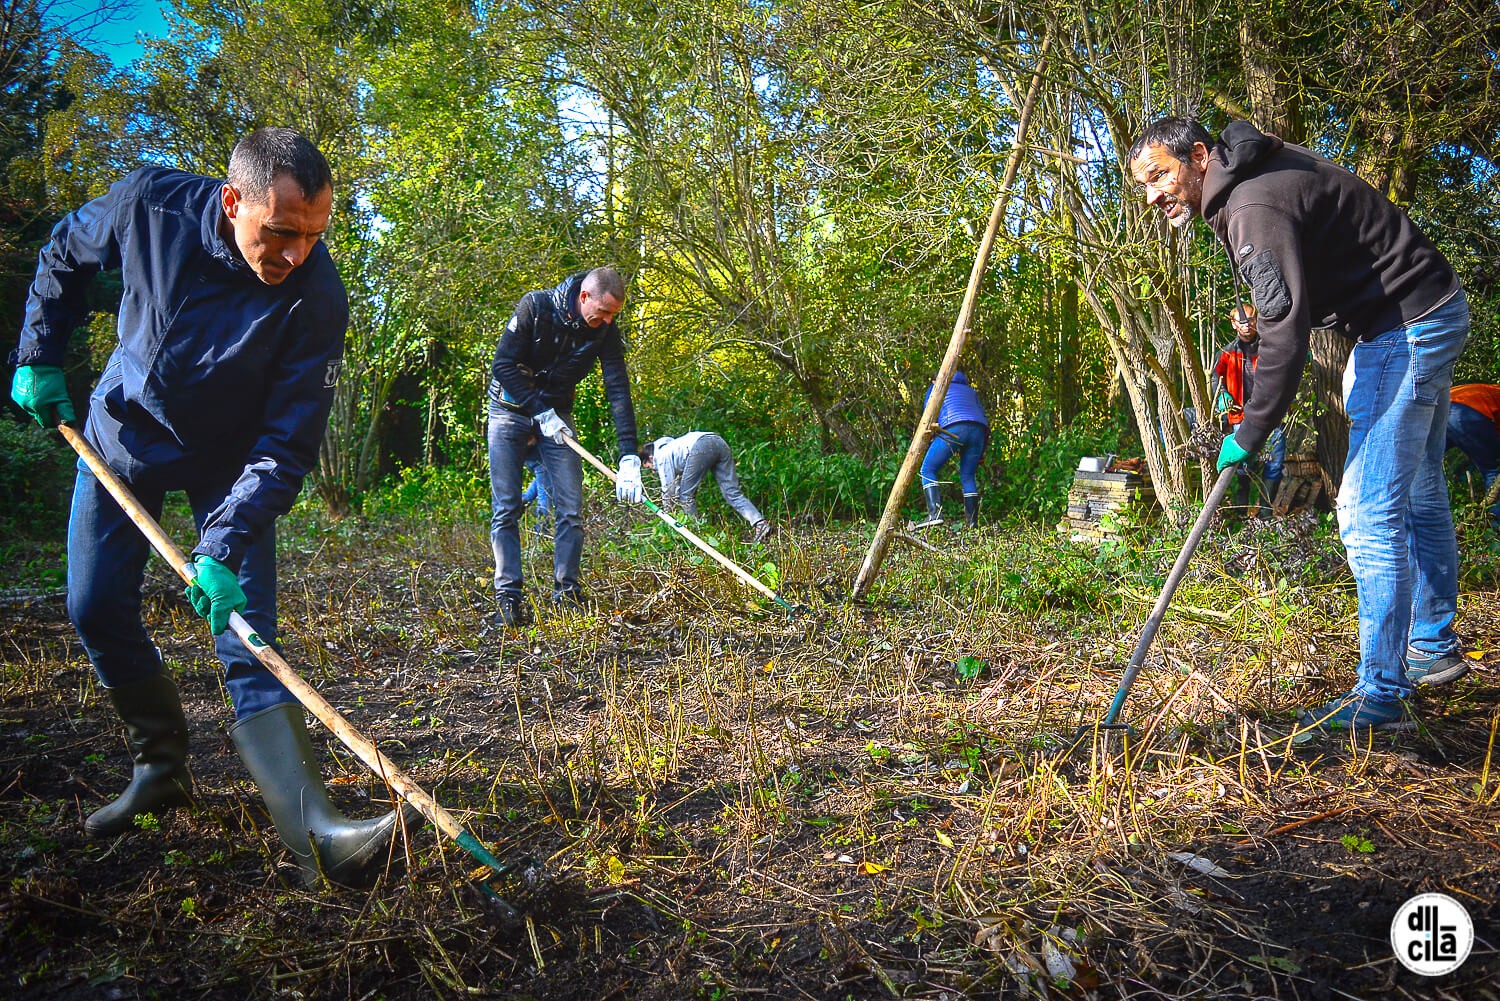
[(1435, 343)]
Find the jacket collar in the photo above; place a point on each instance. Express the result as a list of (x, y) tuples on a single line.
[(565, 302), (212, 232), (1242, 151)]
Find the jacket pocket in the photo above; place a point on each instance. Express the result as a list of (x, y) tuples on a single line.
[(1263, 274)]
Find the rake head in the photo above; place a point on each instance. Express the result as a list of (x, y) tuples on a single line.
[(513, 891)]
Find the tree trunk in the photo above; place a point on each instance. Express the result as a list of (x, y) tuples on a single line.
[(1330, 352), (1069, 355)]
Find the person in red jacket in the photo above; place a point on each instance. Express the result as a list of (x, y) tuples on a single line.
[(1474, 429), (1234, 376)]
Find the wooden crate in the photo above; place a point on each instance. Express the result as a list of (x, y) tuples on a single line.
[(1095, 495)]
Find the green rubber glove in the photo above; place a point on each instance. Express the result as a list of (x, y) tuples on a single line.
[(1230, 454), (1224, 403), (39, 389), (215, 593)]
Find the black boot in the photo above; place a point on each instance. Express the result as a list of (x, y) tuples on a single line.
[(934, 496), (971, 510), (274, 746), (156, 731), (512, 611)]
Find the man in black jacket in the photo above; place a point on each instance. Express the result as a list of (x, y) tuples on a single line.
[(550, 344), (1319, 247)]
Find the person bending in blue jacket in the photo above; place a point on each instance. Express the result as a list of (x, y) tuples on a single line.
[(536, 493), (231, 333), (963, 430)]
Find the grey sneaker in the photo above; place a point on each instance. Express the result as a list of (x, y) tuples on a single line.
[(1430, 670), (1357, 714), (763, 530)]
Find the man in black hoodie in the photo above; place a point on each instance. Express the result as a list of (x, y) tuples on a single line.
[(1318, 247)]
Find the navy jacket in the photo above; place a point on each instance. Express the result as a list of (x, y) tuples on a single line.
[(546, 351), (217, 375)]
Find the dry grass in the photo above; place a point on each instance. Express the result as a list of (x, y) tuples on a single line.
[(734, 804)]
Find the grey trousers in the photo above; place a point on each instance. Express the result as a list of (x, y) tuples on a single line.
[(711, 453)]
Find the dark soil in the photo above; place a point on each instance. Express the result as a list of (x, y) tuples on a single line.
[(725, 803)]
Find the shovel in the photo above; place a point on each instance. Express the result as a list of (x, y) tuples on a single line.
[(1111, 723), (689, 535), (305, 693)]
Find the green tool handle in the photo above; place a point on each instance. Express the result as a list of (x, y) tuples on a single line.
[(683, 530), (267, 655)]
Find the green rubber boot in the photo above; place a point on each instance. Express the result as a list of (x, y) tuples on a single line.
[(934, 497), (156, 732), (277, 751)]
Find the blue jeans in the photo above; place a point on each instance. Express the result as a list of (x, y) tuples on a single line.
[(1476, 436), (1393, 506), (1270, 462), (972, 439), (510, 439), (106, 565), (536, 490)]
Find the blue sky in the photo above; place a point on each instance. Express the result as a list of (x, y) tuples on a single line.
[(118, 38)]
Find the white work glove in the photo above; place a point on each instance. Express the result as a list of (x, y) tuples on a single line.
[(628, 486), (552, 425)]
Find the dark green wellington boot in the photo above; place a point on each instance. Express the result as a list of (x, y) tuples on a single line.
[(971, 510), (277, 751), (157, 735), (934, 496)]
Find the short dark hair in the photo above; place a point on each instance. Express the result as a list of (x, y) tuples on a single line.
[(647, 451), (1176, 135), (266, 154), (605, 281)]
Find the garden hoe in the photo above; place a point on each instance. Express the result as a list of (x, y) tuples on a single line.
[(1111, 727), (689, 535), (309, 697)]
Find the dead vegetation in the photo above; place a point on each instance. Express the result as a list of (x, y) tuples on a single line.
[(866, 802)]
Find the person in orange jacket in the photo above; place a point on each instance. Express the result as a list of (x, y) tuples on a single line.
[(1474, 429), (1234, 376)]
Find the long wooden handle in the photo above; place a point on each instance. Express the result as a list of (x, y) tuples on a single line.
[(891, 516), (267, 655), (683, 530)]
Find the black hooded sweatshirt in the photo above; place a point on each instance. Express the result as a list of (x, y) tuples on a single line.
[(1318, 247)]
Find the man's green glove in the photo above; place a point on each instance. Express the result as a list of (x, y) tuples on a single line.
[(1225, 403), (1230, 454), (39, 389), (215, 593)]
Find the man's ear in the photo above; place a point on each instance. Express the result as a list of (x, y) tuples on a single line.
[(230, 199), (1200, 156)]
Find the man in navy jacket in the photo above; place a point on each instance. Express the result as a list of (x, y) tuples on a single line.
[(231, 333)]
